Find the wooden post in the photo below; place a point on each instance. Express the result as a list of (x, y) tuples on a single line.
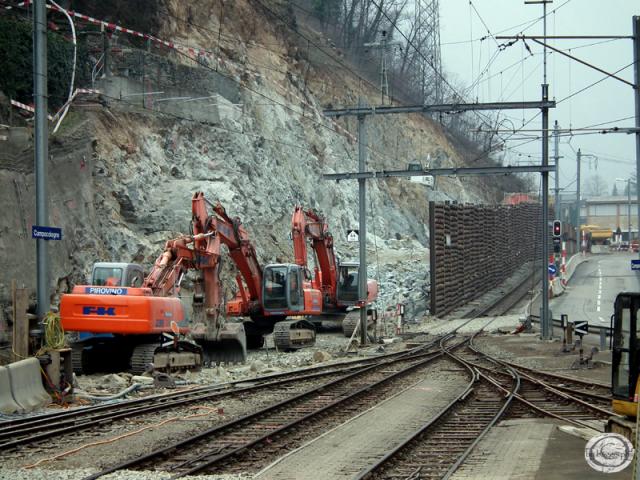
[(20, 301), (569, 333)]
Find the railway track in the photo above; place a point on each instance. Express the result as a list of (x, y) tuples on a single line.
[(441, 444), (537, 395), (32, 430), (232, 446), (496, 390)]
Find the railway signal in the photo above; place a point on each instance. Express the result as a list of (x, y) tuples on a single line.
[(557, 228), (581, 328)]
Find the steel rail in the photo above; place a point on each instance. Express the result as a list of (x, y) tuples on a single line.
[(252, 444), (43, 427), (159, 453), (442, 416), (522, 398)]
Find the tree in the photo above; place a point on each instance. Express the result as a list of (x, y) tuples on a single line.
[(595, 186)]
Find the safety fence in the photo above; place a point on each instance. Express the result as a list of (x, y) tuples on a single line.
[(473, 248)]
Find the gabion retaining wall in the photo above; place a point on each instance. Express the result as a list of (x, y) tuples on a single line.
[(473, 248)]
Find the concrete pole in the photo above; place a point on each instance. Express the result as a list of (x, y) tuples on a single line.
[(577, 225), (545, 321), (41, 152), (362, 273), (629, 210), (636, 70), (556, 155)]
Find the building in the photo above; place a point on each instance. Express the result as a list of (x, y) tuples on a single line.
[(611, 212)]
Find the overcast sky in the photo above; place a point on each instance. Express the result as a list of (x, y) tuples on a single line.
[(465, 56)]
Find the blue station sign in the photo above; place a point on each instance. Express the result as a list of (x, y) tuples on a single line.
[(46, 233)]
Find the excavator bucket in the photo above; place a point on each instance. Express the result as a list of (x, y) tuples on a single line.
[(228, 346)]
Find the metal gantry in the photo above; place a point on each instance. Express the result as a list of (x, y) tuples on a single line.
[(362, 111)]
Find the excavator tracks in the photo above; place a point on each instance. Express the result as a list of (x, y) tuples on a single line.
[(294, 334), (142, 356), (166, 359), (350, 322)]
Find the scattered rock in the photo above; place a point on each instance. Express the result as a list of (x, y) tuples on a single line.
[(321, 356), (142, 380), (258, 366), (113, 381)]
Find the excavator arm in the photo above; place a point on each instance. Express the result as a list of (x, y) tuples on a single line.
[(230, 232), (309, 224)]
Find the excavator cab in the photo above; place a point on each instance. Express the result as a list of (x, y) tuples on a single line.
[(114, 274), (282, 288), (348, 283)]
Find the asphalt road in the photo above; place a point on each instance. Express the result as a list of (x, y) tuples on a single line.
[(594, 286)]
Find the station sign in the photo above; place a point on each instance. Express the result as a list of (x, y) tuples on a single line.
[(46, 233)]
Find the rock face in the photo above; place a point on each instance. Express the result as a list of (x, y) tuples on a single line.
[(121, 180)]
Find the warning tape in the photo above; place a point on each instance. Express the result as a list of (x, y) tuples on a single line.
[(26, 107), (192, 52), (29, 108), (197, 51)]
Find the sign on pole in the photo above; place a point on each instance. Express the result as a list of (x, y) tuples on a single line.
[(353, 235), (635, 264), (46, 233), (581, 327), (552, 269)]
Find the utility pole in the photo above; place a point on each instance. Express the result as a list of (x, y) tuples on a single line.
[(629, 209), (636, 70), (546, 331), (579, 154), (383, 45), (556, 155), (41, 152), (362, 227)]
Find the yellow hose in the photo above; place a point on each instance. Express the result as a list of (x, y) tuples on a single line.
[(53, 332)]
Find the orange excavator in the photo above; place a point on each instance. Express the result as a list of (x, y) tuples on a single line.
[(338, 281), (130, 322), (275, 298), (126, 321)]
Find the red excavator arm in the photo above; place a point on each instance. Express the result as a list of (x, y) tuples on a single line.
[(231, 233), (308, 223)]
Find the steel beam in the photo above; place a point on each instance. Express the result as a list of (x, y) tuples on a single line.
[(461, 172), (443, 108)]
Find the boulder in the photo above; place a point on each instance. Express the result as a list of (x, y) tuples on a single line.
[(321, 356)]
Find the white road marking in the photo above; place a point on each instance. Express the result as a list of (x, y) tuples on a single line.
[(601, 319)]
